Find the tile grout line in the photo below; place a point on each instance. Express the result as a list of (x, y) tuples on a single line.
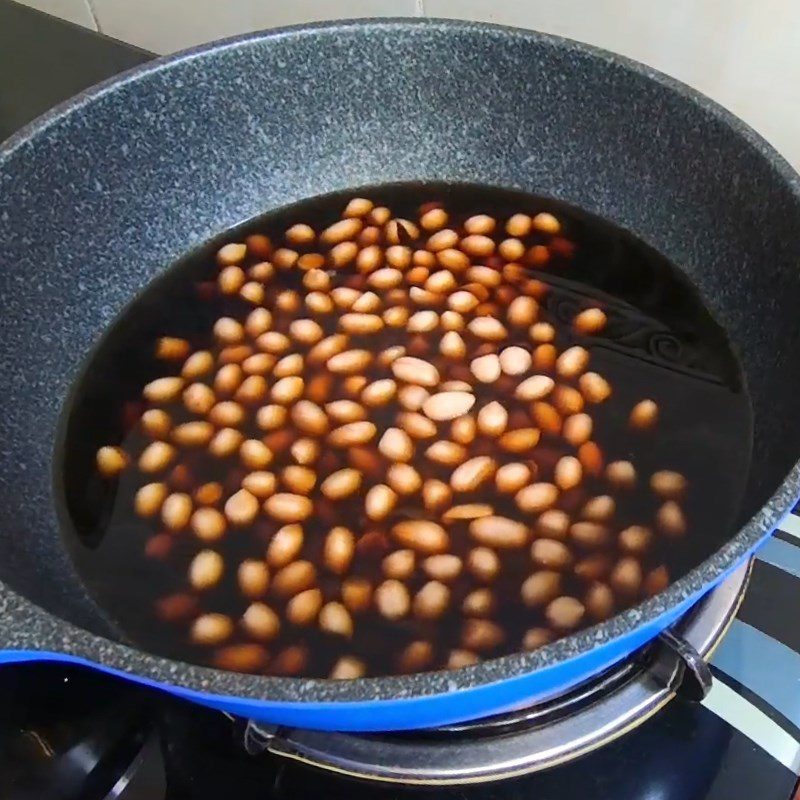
[(95, 18)]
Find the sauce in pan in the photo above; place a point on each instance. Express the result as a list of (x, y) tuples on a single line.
[(410, 431)]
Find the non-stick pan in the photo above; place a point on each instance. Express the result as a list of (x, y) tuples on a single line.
[(100, 195)]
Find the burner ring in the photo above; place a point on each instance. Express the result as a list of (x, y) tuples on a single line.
[(526, 740)]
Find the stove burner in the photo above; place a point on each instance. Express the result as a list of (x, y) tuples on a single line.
[(535, 738)]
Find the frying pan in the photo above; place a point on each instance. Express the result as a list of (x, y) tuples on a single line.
[(100, 195)]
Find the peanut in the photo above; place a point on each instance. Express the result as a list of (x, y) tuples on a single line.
[(335, 618), (111, 461), (473, 473), (415, 371), (422, 536), (536, 387), (392, 599), (670, 520), (288, 507), (341, 484), (436, 494), (399, 565), (253, 578), (481, 635), (565, 613), (667, 484), (550, 554), (210, 629), (379, 502), (448, 405), (261, 622), (541, 588), (536, 497), (492, 419), (498, 532), (304, 607), (431, 601), (241, 508)]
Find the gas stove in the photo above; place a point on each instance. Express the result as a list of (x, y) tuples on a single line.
[(662, 725)]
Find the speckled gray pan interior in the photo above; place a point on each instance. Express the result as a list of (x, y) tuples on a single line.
[(100, 195)]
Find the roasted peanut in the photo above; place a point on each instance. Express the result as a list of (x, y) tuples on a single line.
[(404, 479), (492, 419), (621, 474), (536, 387), (481, 635), (304, 607), (288, 507), (294, 578), (335, 618), (550, 554), (626, 577), (590, 321), (568, 473), (352, 433), (535, 638), (447, 453), (467, 511), (577, 429), (486, 368), (260, 622), (463, 430), (339, 549), (448, 405), (399, 565), (176, 511), (348, 668), (670, 520), (422, 536), (156, 423), (589, 534), (471, 474), (595, 388), (599, 601), (341, 483), (599, 509), (520, 440), (149, 499), (210, 629), (512, 477), (436, 494), (253, 578), (499, 532), (667, 484), (241, 508), (565, 613), (431, 601), (156, 457), (392, 599), (553, 524), (635, 539), (111, 461), (208, 524), (206, 569), (540, 588), (356, 594), (298, 479), (536, 497)]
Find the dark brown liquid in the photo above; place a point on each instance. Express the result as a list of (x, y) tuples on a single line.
[(660, 343)]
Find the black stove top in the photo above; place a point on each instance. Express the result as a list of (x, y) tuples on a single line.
[(72, 734)]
